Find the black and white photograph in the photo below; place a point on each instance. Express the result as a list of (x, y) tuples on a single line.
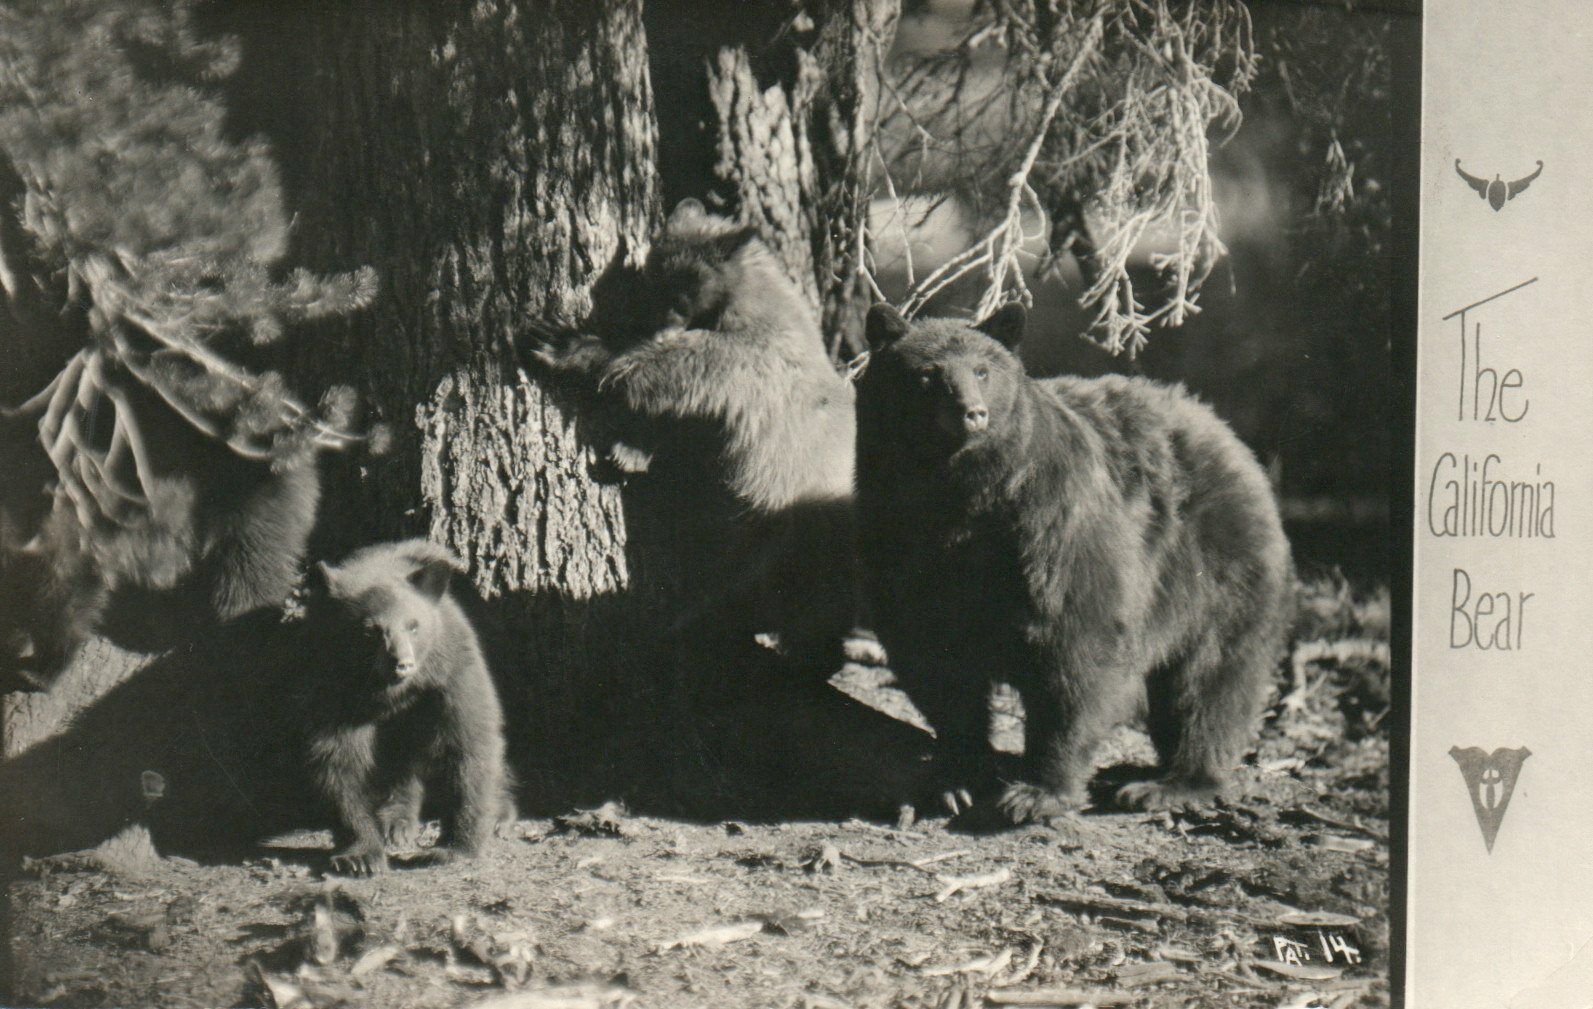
[(680, 504)]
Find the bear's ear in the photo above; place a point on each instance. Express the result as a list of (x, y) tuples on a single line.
[(884, 326), (736, 239), (435, 566), (321, 578), (1005, 325), (688, 213)]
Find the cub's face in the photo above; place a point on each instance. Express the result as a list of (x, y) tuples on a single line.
[(689, 290), (695, 266), (382, 605), (35, 632), (940, 385)]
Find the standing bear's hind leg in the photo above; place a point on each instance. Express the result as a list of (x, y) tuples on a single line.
[(1201, 710)]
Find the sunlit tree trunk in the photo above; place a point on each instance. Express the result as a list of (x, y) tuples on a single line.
[(491, 160)]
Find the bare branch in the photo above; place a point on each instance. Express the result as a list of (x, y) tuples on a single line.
[(997, 251)]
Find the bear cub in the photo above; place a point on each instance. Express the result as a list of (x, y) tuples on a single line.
[(220, 536), (409, 708), (1099, 544), (735, 345), (348, 713)]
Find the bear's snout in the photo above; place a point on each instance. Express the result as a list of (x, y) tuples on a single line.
[(961, 419), (402, 651), (962, 411)]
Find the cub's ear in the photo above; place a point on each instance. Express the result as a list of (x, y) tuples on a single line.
[(321, 578), (688, 213), (1005, 325), (884, 326), (434, 565), (737, 239)]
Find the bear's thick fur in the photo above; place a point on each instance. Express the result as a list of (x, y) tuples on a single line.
[(411, 709), (1091, 542), (221, 535), (738, 348), (342, 717)]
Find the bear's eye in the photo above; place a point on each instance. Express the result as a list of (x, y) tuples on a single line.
[(925, 377), (412, 626), (981, 373)]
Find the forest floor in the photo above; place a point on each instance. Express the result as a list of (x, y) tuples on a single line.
[(1276, 897)]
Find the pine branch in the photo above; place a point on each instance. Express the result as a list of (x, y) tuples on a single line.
[(132, 191)]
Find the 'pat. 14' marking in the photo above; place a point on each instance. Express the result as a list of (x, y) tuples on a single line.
[(1329, 947)]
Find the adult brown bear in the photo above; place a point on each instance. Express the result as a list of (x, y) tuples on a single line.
[(1089, 541)]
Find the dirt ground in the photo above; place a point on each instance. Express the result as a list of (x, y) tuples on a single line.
[(1276, 897)]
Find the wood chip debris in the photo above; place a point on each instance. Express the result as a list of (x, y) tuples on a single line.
[(920, 864), (953, 885), (784, 923), (1099, 903), (580, 995), (1296, 971), (1318, 919), (508, 954), (813, 1000), (374, 960), (985, 966), (1347, 845), (1021, 974), (1139, 974), (1178, 954), (148, 929), (826, 860), (607, 820), (1355, 826), (1061, 998), (716, 935)]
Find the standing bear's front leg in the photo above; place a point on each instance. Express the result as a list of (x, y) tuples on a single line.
[(477, 782), (1067, 712), (345, 763)]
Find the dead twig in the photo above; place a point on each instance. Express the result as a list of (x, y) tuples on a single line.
[(1025, 969), (920, 864), (1381, 836), (986, 966), (1063, 998), (959, 884), (715, 935)]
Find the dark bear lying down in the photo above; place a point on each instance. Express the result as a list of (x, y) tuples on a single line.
[(1090, 542)]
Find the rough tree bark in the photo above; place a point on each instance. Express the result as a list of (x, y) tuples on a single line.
[(491, 160), (762, 106)]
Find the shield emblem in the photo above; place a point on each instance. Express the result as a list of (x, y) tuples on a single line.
[(1490, 778)]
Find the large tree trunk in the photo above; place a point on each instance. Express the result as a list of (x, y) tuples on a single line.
[(495, 162), (491, 160)]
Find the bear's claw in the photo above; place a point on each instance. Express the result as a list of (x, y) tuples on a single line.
[(1023, 803), (360, 861), (1163, 794)]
